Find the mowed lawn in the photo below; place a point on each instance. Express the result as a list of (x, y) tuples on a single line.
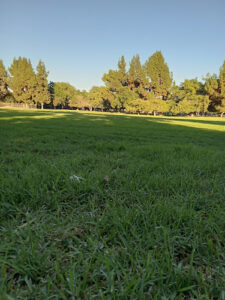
[(109, 206)]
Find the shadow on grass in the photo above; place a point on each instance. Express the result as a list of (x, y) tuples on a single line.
[(81, 126)]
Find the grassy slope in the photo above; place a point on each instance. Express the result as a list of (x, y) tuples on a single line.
[(146, 221)]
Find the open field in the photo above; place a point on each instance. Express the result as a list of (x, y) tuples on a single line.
[(103, 206)]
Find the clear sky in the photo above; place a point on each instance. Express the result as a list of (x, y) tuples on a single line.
[(81, 40)]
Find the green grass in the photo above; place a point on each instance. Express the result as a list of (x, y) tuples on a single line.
[(145, 221)]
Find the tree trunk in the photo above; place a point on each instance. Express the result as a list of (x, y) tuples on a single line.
[(221, 115), (154, 112), (42, 105)]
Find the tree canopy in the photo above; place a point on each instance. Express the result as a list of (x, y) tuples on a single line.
[(41, 91), (132, 87), (158, 72), (22, 80), (3, 81)]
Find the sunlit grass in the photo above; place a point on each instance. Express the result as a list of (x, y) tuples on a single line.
[(111, 206), (207, 123), (197, 123)]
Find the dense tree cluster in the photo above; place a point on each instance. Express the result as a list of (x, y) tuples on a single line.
[(147, 88)]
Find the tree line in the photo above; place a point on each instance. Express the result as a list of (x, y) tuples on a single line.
[(146, 88)]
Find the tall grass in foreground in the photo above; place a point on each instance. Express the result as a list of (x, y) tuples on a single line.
[(111, 206)]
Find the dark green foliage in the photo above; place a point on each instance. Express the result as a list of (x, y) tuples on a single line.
[(128, 91), (212, 90), (102, 206), (221, 106), (113, 80), (211, 86), (51, 91), (22, 81), (122, 74), (222, 80), (137, 79), (147, 89), (124, 97), (158, 72), (192, 104), (101, 97), (192, 87), (63, 93), (3, 82), (41, 90)]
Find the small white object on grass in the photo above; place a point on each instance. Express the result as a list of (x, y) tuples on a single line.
[(75, 177)]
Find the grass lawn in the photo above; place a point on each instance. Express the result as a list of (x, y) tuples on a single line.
[(106, 206)]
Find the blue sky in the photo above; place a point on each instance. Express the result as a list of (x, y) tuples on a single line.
[(81, 40)]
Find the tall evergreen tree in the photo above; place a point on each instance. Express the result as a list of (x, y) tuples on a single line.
[(3, 81), (22, 80), (41, 91), (158, 72), (115, 79), (112, 80), (122, 74), (51, 91), (132, 73), (192, 87), (221, 106), (222, 80), (211, 88), (137, 77)]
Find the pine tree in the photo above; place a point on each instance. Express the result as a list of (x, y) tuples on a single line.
[(51, 91), (3, 82), (122, 74), (211, 88), (192, 87), (158, 72), (132, 73), (221, 106), (136, 77), (41, 91), (222, 80), (112, 80), (22, 80)]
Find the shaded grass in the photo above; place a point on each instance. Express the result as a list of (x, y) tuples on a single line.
[(145, 221)]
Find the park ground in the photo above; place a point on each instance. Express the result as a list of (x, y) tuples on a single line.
[(111, 206)]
